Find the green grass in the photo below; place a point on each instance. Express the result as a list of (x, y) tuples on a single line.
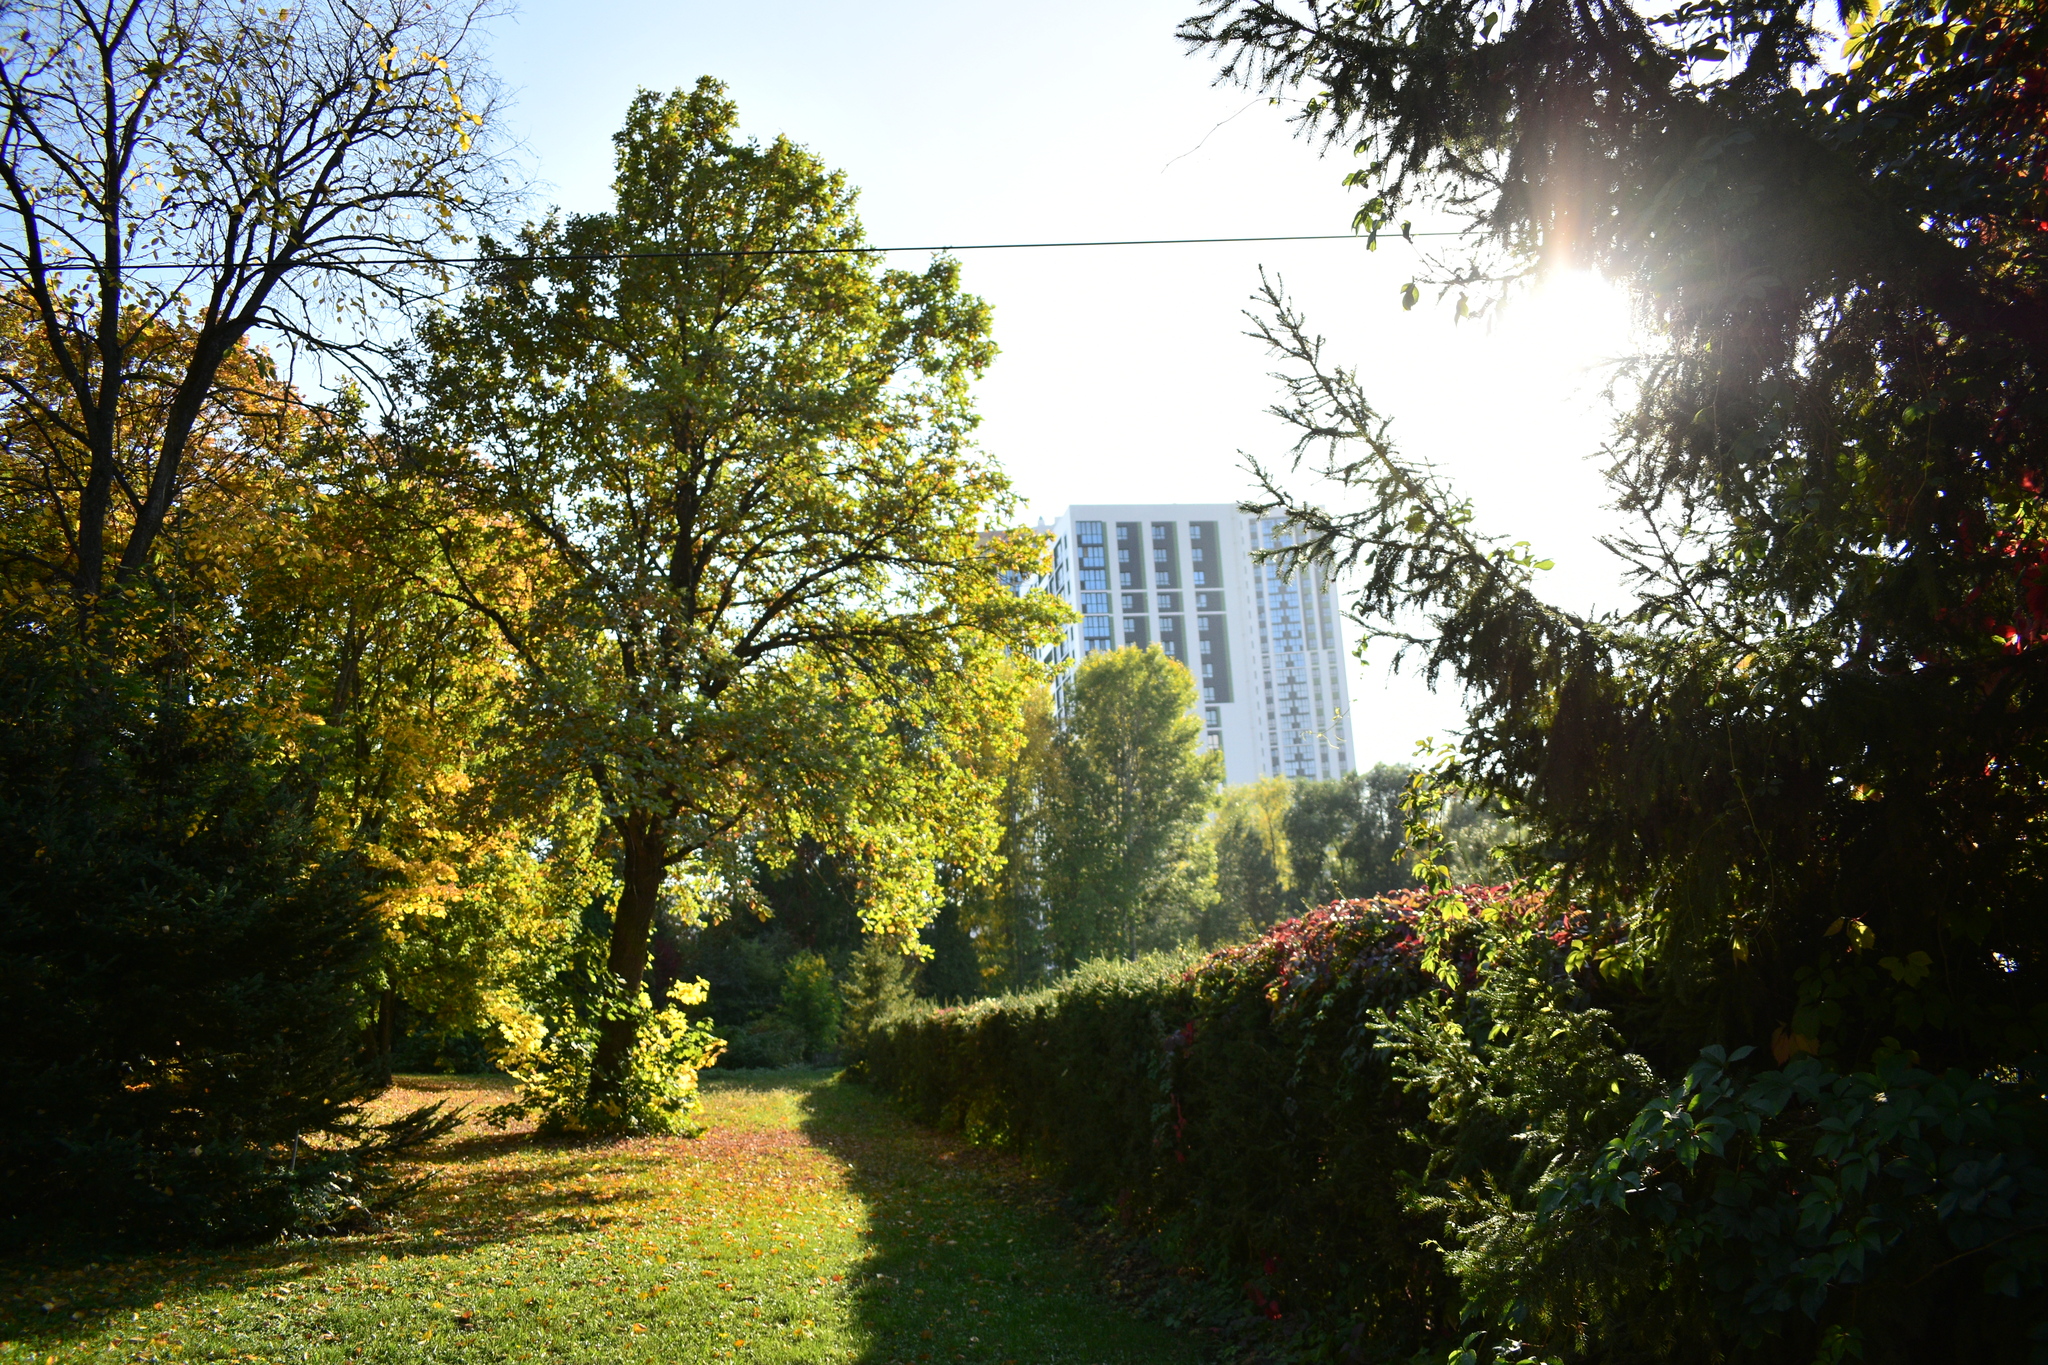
[(813, 1223)]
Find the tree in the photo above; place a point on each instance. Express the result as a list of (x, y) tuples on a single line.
[(214, 170), (1350, 834), (181, 954), (756, 595), (1006, 913), (399, 703), (1255, 866), (1127, 869), (1800, 778), (1824, 702)]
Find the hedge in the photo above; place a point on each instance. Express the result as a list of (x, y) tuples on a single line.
[(1235, 1105)]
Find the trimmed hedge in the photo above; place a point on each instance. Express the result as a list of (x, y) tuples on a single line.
[(1235, 1105)]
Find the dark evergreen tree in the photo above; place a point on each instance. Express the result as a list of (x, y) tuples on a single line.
[(1799, 781), (182, 966)]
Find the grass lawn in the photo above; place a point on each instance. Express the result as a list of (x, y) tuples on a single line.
[(813, 1223)]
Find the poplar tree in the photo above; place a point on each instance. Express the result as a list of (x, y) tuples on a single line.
[(1125, 866)]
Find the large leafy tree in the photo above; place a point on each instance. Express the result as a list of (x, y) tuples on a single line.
[(755, 596)]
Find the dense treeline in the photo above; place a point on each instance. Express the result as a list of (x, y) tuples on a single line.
[(341, 733)]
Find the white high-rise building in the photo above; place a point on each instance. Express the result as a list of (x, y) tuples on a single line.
[(1265, 650)]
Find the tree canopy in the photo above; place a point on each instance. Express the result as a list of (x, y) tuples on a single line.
[(756, 592), (1825, 703), (1125, 868)]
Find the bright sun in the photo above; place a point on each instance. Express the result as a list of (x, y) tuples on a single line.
[(1566, 327)]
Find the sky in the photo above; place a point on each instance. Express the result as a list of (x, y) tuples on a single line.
[(1125, 374)]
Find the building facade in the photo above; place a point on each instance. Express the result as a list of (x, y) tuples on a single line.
[(1266, 651)]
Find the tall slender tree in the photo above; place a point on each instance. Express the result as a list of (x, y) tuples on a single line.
[(1126, 868)]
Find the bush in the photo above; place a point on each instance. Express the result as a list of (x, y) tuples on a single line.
[(658, 1092), (770, 1041), (1412, 1124), (810, 1002), (181, 978), (1235, 1106)]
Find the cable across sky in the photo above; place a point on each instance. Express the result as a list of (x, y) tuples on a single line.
[(712, 252)]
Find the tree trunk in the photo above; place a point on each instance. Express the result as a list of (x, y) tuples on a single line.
[(646, 864), (387, 1031)]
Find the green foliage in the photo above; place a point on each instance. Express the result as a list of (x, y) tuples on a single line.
[(1235, 1106), (810, 1001), (1797, 777), (1005, 915), (1824, 699), (767, 1042), (1125, 869), (707, 471), (1254, 868), (878, 983), (181, 959), (1282, 847), (1401, 1120), (658, 1090), (1783, 1187)]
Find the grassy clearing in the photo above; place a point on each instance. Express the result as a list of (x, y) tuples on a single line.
[(812, 1224)]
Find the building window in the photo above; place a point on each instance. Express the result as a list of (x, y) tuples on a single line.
[(1205, 647), (1208, 670), (1123, 556), (1095, 603), (1095, 580), (1195, 533)]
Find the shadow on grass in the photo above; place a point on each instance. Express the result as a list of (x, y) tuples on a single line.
[(477, 1195), (970, 1258)]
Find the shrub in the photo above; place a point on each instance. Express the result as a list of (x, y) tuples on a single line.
[(182, 964), (1235, 1105), (657, 1092), (769, 1041), (1413, 1124)]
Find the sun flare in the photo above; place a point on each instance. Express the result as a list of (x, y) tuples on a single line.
[(1567, 323)]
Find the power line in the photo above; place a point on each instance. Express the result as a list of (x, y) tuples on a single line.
[(718, 252)]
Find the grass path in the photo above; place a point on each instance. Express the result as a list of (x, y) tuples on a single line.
[(813, 1223)]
